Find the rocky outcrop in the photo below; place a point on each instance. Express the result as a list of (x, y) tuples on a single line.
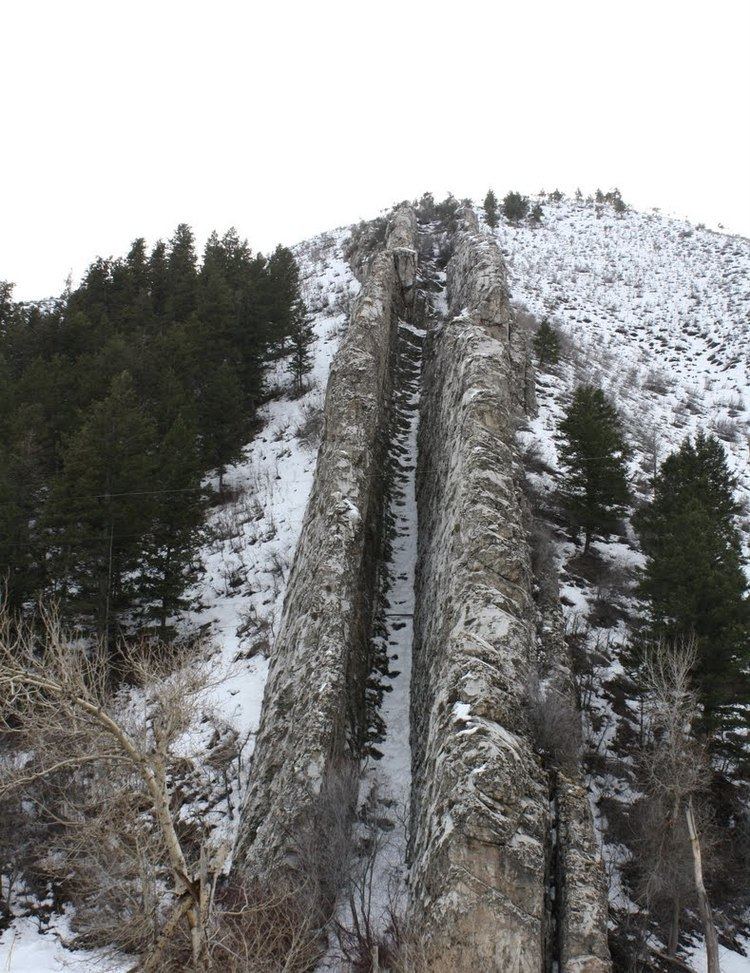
[(313, 709), (480, 803), (504, 869), (581, 889), (481, 839)]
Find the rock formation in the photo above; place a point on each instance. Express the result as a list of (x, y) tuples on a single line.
[(313, 709), (480, 808), (484, 808), (581, 889)]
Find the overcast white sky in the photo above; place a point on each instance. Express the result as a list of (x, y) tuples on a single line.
[(287, 118)]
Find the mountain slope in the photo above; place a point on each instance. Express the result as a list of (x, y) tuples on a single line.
[(657, 313)]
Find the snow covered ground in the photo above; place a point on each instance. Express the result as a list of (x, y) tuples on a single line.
[(29, 946), (729, 960)]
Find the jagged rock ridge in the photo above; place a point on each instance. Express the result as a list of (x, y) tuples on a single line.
[(313, 713), (480, 810)]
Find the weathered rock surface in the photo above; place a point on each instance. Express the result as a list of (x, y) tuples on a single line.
[(482, 859), (480, 839), (480, 805), (313, 709), (581, 888)]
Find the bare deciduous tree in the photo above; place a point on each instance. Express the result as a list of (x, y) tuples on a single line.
[(674, 769), (109, 759)]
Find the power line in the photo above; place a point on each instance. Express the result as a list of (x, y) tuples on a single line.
[(102, 539), (134, 493)]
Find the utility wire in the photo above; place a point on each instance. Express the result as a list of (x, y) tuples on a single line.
[(134, 493)]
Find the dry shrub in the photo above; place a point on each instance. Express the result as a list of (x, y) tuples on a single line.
[(673, 770), (613, 586), (555, 724), (726, 429), (257, 925), (108, 776), (544, 562), (397, 949), (310, 429), (106, 772), (369, 936), (526, 321), (657, 381), (323, 841), (365, 240)]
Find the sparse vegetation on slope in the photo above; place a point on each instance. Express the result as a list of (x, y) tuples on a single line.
[(654, 312)]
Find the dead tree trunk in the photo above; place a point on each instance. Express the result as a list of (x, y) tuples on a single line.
[(709, 929)]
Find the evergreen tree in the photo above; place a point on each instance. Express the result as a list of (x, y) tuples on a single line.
[(137, 310), (594, 453), (215, 319), (447, 212), (179, 506), (491, 209), (547, 344), (16, 565), (158, 281), (301, 359), (48, 385), (236, 259), (21, 488), (537, 214), (426, 207), (100, 508), (614, 196), (11, 531), (252, 318), (515, 207), (138, 266), (149, 358), (223, 419), (6, 303), (694, 579), (7, 394), (94, 299), (284, 295), (182, 274), (95, 371)]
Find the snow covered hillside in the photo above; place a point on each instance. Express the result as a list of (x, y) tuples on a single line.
[(657, 313), (253, 537), (246, 559)]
